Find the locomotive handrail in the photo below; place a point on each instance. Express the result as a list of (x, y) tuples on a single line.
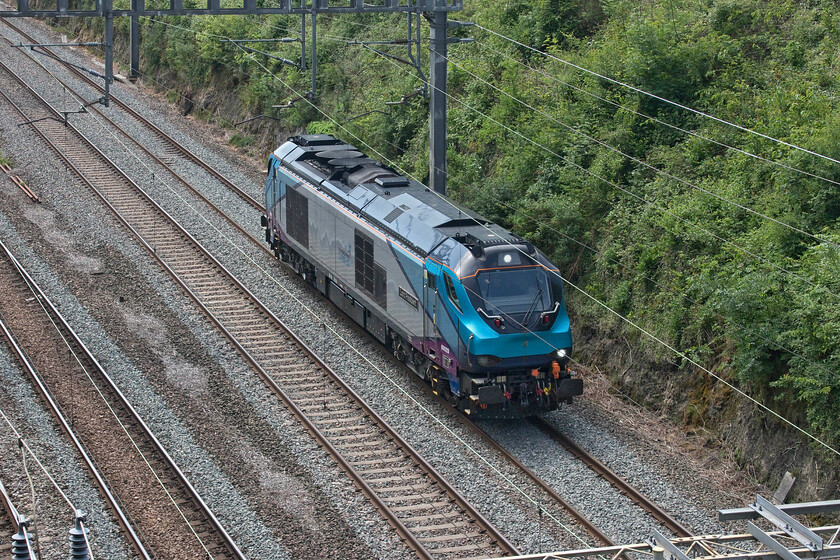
[(481, 310), (556, 308)]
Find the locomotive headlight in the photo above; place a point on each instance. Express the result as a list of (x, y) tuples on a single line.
[(488, 360), (509, 259), (563, 356)]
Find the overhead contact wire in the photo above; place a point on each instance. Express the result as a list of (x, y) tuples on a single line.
[(658, 98), (640, 161), (655, 119), (634, 195)]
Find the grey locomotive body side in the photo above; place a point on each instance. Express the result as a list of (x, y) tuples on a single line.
[(335, 240)]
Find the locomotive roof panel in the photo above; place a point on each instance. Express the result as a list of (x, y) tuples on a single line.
[(404, 225), (399, 205), (412, 205)]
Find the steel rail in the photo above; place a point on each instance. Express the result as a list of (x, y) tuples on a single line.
[(485, 527), (613, 478), (590, 527), (205, 511), (10, 519), (8, 505)]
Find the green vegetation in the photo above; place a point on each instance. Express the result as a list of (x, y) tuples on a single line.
[(753, 300)]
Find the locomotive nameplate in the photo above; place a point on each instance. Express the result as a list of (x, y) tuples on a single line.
[(409, 299)]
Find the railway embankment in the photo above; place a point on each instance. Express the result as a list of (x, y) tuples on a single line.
[(720, 426)]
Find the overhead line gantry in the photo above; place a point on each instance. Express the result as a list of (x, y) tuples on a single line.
[(435, 11)]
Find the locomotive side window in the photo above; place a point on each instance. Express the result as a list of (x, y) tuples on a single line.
[(370, 277), (450, 291), (275, 188), (364, 262), (297, 216), (269, 184)]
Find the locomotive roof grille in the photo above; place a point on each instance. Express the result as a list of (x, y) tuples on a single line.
[(477, 245), (315, 140), (370, 173), (391, 181), (340, 160)]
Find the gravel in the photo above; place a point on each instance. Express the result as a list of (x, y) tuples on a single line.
[(503, 495)]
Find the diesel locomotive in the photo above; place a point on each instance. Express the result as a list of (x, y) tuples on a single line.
[(472, 308)]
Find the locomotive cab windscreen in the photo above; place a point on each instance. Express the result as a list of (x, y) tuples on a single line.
[(518, 294)]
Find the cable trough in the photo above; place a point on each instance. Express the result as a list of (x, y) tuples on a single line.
[(426, 511), (160, 512)]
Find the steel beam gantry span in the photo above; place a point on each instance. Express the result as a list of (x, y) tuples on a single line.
[(98, 8)]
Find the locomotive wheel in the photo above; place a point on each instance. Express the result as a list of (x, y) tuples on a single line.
[(399, 351)]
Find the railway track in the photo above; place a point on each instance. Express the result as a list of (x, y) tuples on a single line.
[(159, 511), (613, 478), (170, 146), (602, 470), (427, 512), (167, 148)]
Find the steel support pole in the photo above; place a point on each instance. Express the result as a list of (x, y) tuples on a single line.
[(109, 49), (314, 52), (303, 42), (135, 46), (437, 112)]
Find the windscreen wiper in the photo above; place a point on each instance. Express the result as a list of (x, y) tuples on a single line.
[(531, 309)]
